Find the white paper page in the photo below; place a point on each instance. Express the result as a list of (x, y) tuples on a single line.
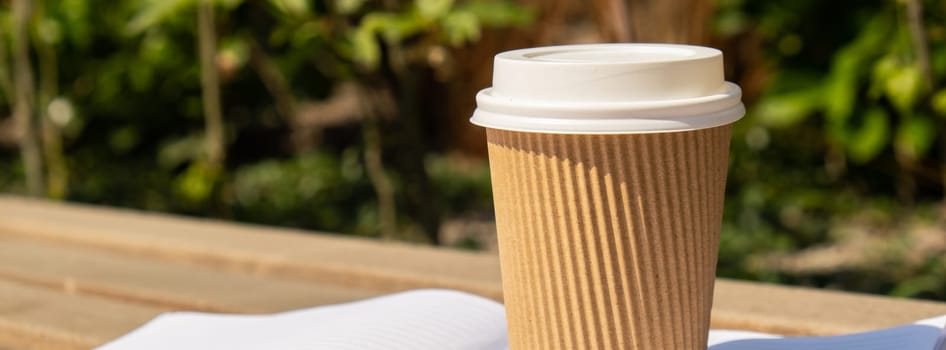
[(921, 335), (440, 319), (719, 336), (415, 320)]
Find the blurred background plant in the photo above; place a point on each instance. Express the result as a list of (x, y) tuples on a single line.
[(350, 116)]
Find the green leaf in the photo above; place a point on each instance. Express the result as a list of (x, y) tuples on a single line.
[(939, 103), (917, 285), (175, 152), (433, 9), (49, 31), (392, 27), (75, 19), (788, 109), (847, 68), (196, 184), (492, 13), (124, 139), (308, 31), (915, 136), (155, 12), (154, 47), (869, 140), (903, 87), (460, 27), (366, 50), (841, 87), (347, 7), (883, 69), (295, 8)]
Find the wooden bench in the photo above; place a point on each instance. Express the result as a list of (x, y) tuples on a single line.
[(75, 276)]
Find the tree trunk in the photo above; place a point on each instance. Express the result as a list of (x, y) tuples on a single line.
[(57, 173), (23, 105), (662, 21)]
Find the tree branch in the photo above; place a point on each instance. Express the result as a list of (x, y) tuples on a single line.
[(374, 168), (920, 45), (210, 85), (273, 80)]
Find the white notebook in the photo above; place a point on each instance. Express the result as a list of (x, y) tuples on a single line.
[(439, 320)]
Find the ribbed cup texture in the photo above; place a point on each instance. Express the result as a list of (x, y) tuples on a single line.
[(608, 241)]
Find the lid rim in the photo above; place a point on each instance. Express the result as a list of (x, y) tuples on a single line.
[(636, 125), (731, 96), (704, 52)]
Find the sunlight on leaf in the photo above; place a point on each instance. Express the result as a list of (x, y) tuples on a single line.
[(903, 87), (883, 69), (154, 12), (196, 184), (915, 137), (347, 7), (939, 103), (847, 71), (433, 9), (461, 27), (366, 50), (871, 138), (291, 7), (788, 109), (392, 27), (841, 87), (49, 31)]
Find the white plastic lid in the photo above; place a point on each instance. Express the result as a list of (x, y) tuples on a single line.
[(608, 89)]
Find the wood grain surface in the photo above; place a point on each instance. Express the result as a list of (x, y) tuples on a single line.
[(75, 276)]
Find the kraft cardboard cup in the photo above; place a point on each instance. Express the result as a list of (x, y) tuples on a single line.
[(608, 168)]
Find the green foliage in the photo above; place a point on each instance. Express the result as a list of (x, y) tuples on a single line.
[(433, 9), (846, 124), (463, 183), (789, 108), (874, 83), (127, 105), (869, 138), (316, 189), (441, 20), (915, 137), (153, 12)]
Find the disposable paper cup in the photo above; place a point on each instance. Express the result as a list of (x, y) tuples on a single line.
[(608, 168)]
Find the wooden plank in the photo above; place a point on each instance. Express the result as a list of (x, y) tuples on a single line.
[(806, 311), (165, 284), (38, 318), (361, 263), (386, 266)]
